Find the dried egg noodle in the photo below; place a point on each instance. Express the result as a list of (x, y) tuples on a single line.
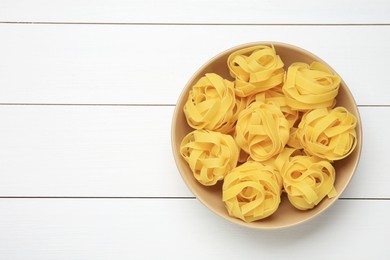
[(210, 155), (309, 87), (307, 180), (240, 104), (261, 70), (276, 96), (210, 104), (243, 157), (328, 133), (294, 141), (280, 160), (262, 131), (252, 191)]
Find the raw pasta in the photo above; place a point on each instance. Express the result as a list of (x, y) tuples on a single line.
[(239, 106), (307, 180), (255, 69), (252, 191), (310, 86), (210, 104), (210, 155), (294, 141), (276, 96), (262, 130), (328, 133)]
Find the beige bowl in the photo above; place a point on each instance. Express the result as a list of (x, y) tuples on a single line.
[(211, 197)]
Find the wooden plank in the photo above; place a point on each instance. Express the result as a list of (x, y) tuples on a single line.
[(126, 151), (87, 151), (192, 11), (93, 64), (373, 158), (151, 229)]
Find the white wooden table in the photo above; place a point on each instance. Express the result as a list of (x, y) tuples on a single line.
[(87, 92)]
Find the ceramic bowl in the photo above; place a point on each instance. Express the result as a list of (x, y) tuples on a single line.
[(211, 197)]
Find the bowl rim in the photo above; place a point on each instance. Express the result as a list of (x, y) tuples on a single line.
[(177, 154)]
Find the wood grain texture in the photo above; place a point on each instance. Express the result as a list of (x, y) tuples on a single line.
[(126, 151), (142, 52), (192, 11), (181, 229), (111, 64)]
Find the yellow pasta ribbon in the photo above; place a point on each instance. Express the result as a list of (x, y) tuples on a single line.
[(294, 141), (252, 191), (278, 161), (310, 86), (276, 96), (328, 133), (307, 180), (228, 127), (210, 104), (262, 131), (255, 69), (210, 155), (243, 157)]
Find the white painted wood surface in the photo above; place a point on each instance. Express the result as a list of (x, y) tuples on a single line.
[(193, 11), (181, 229), (87, 92), (133, 64)]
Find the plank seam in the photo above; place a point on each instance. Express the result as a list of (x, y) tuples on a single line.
[(128, 105), (95, 197), (87, 104), (145, 197), (196, 24)]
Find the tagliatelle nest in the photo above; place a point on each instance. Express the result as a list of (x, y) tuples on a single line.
[(262, 130), (252, 191), (310, 86), (255, 69), (328, 133), (210, 155), (211, 104)]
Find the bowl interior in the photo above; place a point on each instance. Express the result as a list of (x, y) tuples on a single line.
[(286, 215)]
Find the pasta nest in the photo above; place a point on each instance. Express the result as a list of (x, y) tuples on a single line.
[(211, 104), (262, 131), (252, 191), (307, 180), (255, 69), (310, 86), (210, 155), (328, 133)]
